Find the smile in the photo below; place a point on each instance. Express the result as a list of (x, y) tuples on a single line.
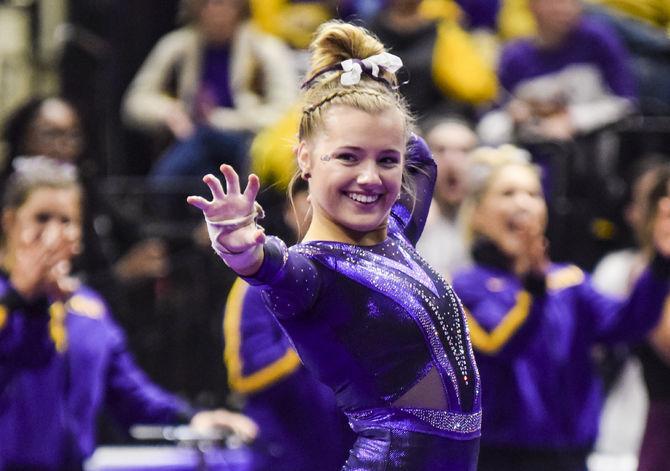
[(365, 199)]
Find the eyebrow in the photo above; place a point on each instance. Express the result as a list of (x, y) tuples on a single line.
[(360, 149)]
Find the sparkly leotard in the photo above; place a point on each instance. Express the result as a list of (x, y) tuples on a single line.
[(375, 323)]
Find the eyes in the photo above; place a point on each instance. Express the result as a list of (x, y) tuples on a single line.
[(350, 158), (45, 218), (511, 192)]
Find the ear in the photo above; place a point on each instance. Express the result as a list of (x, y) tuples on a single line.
[(476, 220), (8, 217), (304, 156)]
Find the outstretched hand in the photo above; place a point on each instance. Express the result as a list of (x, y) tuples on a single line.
[(230, 218)]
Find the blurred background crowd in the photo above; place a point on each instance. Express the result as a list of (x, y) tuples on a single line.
[(146, 96)]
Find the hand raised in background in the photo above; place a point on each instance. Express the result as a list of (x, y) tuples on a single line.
[(41, 266)]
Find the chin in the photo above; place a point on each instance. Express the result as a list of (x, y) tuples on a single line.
[(364, 226)]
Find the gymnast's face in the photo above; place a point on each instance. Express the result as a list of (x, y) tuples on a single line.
[(356, 164)]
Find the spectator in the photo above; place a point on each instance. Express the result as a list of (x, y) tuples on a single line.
[(443, 241), (115, 252), (557, 88), (231, 80), (616, 273), (293, 21), (622, 420), (655, 13), (446, 72), (655, 355), (643, 26), (62, 356), (533, 323)]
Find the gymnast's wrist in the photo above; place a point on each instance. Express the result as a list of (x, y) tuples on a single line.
[(245, 263)]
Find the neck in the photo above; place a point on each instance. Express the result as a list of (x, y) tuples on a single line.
[(322, 228), (486, 252), (6, 259), (449, 211), (406, 20), (548, 40)]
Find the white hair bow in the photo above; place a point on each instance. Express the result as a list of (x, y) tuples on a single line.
[(353, 68)]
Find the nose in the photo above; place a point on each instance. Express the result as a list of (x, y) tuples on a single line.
[(523, 199), (369, 174)]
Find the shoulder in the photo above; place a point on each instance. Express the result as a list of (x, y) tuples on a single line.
[(86, 302), (565, 276), (620, 261), (516, 51), (597, 35), (4, 284), (178, 40), (516, 59), (249, 32), (593, 29), (477, 281)]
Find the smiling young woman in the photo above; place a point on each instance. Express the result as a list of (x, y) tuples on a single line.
[(534, 323), (368, 316)]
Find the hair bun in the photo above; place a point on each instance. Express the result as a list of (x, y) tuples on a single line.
[(336, 41)]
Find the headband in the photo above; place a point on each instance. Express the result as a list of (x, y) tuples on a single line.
[(354, 68), (40, 164)]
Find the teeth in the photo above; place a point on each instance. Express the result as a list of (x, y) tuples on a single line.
[(363, 198)]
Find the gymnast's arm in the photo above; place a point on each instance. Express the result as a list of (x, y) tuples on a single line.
[(289, 278), (411, 210)]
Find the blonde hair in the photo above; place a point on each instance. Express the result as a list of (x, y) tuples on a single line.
[(484, 165), (335, 41)]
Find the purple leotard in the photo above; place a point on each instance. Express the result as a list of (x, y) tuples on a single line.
[(373, 322)]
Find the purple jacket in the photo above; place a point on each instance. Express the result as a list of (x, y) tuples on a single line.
[(293, 410), (540, 387), (80, 362)]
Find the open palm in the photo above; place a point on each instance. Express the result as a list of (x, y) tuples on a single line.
[(226, 207)]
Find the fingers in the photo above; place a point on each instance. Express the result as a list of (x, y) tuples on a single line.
[(240, 424), (29, 236), (214, 185), (253, 185), (232, 180), (43, 262), (199, 202)]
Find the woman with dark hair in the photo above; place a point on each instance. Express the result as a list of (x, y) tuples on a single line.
[(30, 131), (115, 251)]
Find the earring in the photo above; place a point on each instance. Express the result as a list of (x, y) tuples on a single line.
[(305, 176)]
